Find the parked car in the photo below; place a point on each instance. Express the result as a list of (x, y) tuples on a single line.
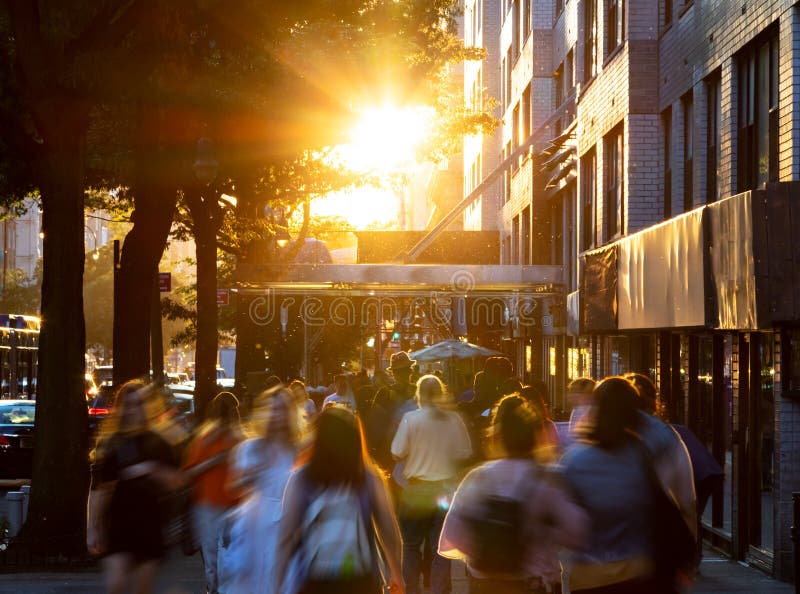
[(16, 437), (99, 407)]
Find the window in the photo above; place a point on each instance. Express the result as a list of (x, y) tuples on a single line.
[(588, 195), (757, 160), (613, 187), (688, 151), (515, 29), (525, 115), (515, 240), (557, 232), (525, 18), (526, 236), (559, 7), (616, 24), (589, 39), (713, 136), (507, 175), (516, 131), (503, 95), (509, 64), (666, 124), (667, 13), (558, 84), (569, 73)]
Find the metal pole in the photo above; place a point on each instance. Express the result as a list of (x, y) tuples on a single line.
[(156, 341), (796, 539), (116, 338)]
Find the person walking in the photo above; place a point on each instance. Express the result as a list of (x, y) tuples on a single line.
[(260, 469), (434, 443), (388, 406), (343, 396), (612, 475), (208, 464), (336, 508), (133, 469), (507, 517)]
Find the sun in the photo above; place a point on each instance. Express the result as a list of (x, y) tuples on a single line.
[(385, 139)]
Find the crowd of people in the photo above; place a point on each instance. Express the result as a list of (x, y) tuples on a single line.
[(385, 482)]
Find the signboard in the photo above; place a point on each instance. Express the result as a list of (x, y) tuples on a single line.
[(164, 282), (223, 296)]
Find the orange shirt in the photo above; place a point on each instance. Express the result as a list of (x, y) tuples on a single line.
[(210, 486)]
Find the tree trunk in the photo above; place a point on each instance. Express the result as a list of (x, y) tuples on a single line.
[(205, 359), (57, 514), (155, 199)]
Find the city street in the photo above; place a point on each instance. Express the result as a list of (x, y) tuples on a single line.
[(183, 576)]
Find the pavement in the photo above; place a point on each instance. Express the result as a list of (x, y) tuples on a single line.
[(183, 575)]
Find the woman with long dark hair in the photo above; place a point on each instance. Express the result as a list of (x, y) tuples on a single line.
[(336, 509), (608, 475), (133, 469)]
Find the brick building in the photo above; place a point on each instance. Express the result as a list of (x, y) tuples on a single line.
[(656, 149)]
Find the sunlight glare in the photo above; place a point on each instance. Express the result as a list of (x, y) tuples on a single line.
[(386, 139)]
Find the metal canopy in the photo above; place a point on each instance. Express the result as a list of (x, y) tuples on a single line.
[(399, 278)]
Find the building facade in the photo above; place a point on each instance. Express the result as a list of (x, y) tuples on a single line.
[(662, 175)]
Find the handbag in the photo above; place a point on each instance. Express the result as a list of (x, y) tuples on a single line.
[(673, 542)]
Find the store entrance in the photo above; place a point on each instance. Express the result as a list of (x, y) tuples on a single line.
[(757, 433)]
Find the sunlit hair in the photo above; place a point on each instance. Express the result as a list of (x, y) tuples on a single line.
[(536, 396), (431, 391), (512, 432), (338, 452), (581, 385), (222, 412), (616, 411), (280, 419), (118, 421), (648, 393)]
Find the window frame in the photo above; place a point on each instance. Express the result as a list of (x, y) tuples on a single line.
[(688, 146), (713, 88), (616, 21), (588, 172), (666, 125), (589, 40)]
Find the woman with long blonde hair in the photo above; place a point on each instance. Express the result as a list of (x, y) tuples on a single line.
[(133, 468), (260, 467)]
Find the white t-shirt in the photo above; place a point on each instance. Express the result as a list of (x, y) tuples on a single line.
[(348, 401), (433, 444)]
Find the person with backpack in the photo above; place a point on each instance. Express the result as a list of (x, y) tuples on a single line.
[(434, 443), (337, 514), (509, 516)]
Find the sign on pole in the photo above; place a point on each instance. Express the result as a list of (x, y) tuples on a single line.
[(223, 296), (164, 282)]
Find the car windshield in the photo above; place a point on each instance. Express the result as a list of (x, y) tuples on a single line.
[(17, 414)]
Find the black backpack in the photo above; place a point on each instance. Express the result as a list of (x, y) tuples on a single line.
[(497, 534)]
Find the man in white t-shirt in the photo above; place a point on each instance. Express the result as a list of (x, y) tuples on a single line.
[(433, 442), (343, 396)]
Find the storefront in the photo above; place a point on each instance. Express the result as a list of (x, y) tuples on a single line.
[(703, 304)]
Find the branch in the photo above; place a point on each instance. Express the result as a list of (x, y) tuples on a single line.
[(32, 60), (108, 28), (301, 237), (228, 248)]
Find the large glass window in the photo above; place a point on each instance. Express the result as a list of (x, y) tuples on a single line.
[(589, 39), (713, 136), (616, 24), (588, 198), (757, 158), (614, 183)]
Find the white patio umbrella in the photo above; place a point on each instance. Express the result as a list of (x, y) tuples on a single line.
[(452, 349)]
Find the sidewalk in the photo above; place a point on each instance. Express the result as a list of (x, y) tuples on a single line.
[(183, 575)]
